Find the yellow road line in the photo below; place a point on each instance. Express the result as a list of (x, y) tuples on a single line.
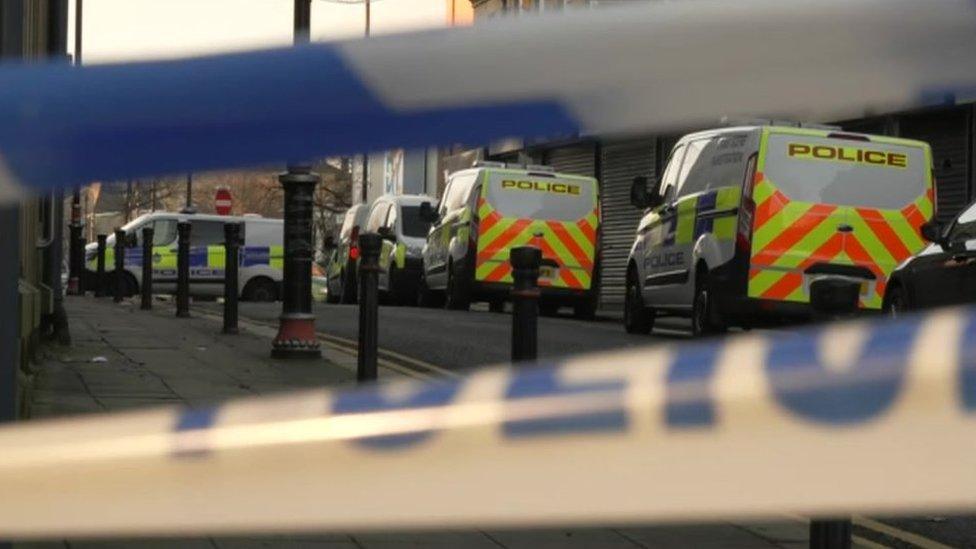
[(901, 535), (858, 541)]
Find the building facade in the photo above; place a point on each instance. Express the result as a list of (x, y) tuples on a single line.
[(30, 273), (950, 129)]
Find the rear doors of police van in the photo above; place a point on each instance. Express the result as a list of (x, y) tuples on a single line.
[(834, 204), (558, 213)]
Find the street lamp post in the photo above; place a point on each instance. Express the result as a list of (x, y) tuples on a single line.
[(296, 328)]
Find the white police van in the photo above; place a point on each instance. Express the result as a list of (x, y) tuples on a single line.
[(261, 255)]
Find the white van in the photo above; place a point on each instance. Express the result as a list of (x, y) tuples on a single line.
[(775, 221), (261, 256), (397, 219)]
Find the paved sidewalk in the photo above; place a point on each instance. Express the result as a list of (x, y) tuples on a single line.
[(125, 358)]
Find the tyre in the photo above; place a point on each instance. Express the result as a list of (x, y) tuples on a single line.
[(585, 309), (638, 319), (457, 292), (129, 285), (263, 290), (703, 317), (330, 296), (548, 309), (349, 287), (426, 297), (496, 306), (896, 302)]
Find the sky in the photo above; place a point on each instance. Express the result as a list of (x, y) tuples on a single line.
[(121, 30)]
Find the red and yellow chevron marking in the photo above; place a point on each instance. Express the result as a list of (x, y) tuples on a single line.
[(789, 237), (571, 245)]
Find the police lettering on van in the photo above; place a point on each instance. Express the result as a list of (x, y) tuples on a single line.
[(755, 223)]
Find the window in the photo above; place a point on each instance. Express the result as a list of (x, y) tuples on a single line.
[(965, 227), (459, 191), (412, 224), (377, 217), (694, 174), (206, 233), (670, 177), (164, 232)]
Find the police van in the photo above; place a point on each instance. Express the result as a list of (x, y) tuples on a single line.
[(340, 271), (491, 208), (261, 256), (397, 219), (771, 221)]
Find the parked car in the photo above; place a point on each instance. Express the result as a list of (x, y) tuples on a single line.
[(397, 219), (261, 256), (944, 273), (341, 282), (770, 222), (493, 207)]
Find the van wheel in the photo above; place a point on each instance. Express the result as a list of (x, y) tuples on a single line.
[(548, 309), (638, 319), (426, 297), (496, 306), (585, 309), (129, 285), (263, 290), (332, 297), (348, 288), (457, 295), (703, 315)]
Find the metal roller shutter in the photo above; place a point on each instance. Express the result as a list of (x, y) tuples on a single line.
[(578, 160), (947, 131), (620, 163)]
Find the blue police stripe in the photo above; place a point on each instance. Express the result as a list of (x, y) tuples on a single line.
[(255, 255), (133, 257), (199, 256), (705, 203), (64, 125)]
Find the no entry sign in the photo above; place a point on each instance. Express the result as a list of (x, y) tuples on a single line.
[(223, 201)]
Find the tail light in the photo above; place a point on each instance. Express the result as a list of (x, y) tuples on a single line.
[(747, 208), (354, 244)]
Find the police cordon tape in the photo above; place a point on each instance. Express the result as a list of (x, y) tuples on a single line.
[(642, 68), (865, 417)]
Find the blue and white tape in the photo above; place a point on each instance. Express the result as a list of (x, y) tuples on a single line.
[(855, 418), (663, 65)]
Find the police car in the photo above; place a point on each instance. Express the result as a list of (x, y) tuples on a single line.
[(261, 256), (771, 221), (491, 208), (942, 274)]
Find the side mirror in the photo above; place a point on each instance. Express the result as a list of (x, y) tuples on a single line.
[(640, 197), (932, 231), (386, 233), (428, 212)]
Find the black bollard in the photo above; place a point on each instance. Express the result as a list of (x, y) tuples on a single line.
[(296, 336), (76, 257), (147, 268), (84, 279), (119, 276), (100, 266), (369, 268), (830, 534), (525, 302), (232, 244), (183, 269)]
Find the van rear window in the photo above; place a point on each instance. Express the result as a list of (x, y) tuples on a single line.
[(539, 197), (845, 172)]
